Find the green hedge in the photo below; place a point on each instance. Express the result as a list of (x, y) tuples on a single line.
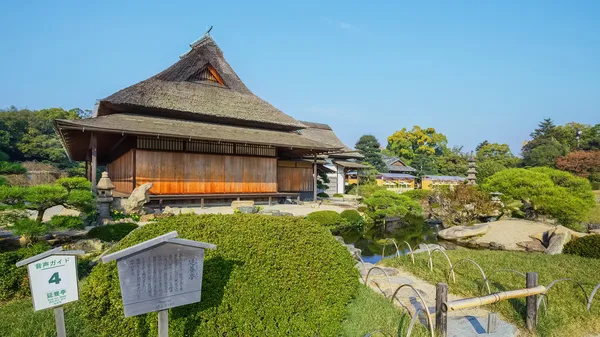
[(587, 246), (110, 233), (264, 279), (14, 281), (323, 195), (596, 185), (328, 219), (353, 218)]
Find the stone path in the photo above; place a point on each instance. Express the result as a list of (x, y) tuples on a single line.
[(463, 323)]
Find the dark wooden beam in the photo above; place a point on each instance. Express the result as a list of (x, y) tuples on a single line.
[(114, 147), (94, 150), (134, 169), (315, 177)]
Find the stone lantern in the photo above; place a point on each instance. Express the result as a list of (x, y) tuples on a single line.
[(104, 196)]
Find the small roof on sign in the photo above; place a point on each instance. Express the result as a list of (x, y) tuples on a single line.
[(55, 251), (170, 237)]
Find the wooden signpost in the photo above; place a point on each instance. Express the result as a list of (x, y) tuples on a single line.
[(53, 281), (158, 274)]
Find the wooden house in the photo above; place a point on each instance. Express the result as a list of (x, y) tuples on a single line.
[(195, 131), (396, 165)]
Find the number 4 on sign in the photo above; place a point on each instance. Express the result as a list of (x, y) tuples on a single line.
[(54, 278)]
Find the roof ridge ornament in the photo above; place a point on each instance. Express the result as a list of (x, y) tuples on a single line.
[(197, 42)]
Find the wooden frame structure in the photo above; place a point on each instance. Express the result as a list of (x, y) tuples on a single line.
[(196, 131)]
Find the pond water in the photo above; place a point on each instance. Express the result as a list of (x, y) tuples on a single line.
[(414, 230)]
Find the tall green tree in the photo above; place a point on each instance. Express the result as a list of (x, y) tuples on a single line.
[(369, 147), (545, 129), (418, 141), (453, 162)]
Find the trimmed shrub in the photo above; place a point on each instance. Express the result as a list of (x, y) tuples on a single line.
[(385, 204), (587, 246), (353, 218), (596, 185), (3, 181), (66, 221), (329, 219), (338, 195), (264, 279), (323, 195), (111, 233), (11, 168), (74, 183), (14, 281)]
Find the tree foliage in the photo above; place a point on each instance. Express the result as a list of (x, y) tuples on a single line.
[(453, 162), (581, 163), (545, 191), (407, 144), (39, 198), (369, 147), (29, 135), (385, 204)]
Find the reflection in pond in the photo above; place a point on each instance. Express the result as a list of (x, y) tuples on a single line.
[(413, 230)]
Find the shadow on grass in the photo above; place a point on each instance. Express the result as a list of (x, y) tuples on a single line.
[(217, 272)]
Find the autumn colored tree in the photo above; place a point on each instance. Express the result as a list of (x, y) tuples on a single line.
[(418, 141), (581, 163)]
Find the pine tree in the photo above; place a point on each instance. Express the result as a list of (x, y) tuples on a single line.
[(544, 128), (369, 147)]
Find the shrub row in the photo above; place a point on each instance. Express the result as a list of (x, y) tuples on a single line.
[(14, 281), (264, 279)]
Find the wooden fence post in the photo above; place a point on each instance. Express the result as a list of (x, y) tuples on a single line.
[(531, 301), (441, 320)]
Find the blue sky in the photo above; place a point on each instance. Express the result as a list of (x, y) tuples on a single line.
[(474, 70)]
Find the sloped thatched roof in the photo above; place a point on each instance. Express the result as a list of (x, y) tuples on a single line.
[(180, 91)]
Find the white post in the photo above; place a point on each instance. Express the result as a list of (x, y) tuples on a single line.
[(163, 323), (59, 316)]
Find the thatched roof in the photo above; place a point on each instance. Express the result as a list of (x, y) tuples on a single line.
[(200, 86), (324, 134), (350, 164), (75, 139)]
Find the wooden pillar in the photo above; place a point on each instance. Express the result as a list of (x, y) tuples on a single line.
[(94, 149), (531, 302), (315, 178), (441, 319)]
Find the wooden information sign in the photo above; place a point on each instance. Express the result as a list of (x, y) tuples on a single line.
[(53, 281), (160, 274)]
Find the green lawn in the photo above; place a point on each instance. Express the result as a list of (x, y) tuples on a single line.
[(566, 315), (17, 319), (368, 312)]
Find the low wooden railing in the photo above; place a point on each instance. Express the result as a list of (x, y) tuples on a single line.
[(443, 306)]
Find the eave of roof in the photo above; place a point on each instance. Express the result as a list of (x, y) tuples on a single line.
[(350, 164), (165, 127)]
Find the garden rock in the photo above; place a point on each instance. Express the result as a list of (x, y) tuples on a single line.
[(136, 201), (595, 231), (423, 248), (172, 210), (247, 209), (557, 243), (242, 203), (564, 230), (461, 232), (532, 246), (87, 245)]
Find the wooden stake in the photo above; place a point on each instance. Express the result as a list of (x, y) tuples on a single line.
[(531, 301), (163, 323), (441, 319), (59, 317)]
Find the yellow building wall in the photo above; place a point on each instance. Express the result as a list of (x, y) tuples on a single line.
[(428, 184)]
